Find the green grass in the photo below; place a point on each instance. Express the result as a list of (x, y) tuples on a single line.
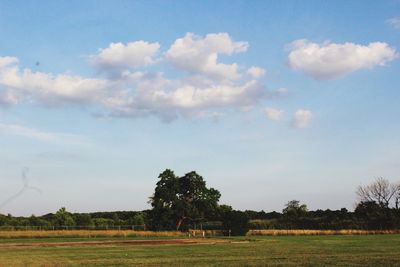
[(369, 250), (79, 239)]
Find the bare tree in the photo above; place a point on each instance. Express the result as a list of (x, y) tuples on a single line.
[(380, 191), (397, 196)]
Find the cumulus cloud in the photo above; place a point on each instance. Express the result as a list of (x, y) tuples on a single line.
[(330, 60), (302, 118), (168, 98), (203, 87), (8, 98), (121, 56), (215, 116), (46, 88), (394, 22), (6, 61), (256, 72), (200, 55), (273, 114)]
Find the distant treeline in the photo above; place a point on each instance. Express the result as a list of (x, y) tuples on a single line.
[(185, 202), (368, 216), (63, 219)]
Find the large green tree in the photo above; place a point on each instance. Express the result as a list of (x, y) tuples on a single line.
[(178, 200)]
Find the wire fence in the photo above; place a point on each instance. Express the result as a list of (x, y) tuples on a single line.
[(70, 227)]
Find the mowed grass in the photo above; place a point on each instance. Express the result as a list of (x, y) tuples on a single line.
[(344, 250)]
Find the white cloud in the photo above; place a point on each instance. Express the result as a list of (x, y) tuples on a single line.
[(273, 114), (394, 22), (6, 61), (256, 72), (330, 60), (167, 98), (121, 56), (302, 118), (205, 87), (8, 98), (217, 95), (46, 88), (210, 85), (213, 115), (200, 55)]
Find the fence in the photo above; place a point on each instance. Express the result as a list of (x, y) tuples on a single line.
[(68, 227)]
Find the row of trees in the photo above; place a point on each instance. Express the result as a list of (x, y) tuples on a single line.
[(180, 203), (64, 219)]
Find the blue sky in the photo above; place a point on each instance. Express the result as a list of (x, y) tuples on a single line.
[(268, 101)]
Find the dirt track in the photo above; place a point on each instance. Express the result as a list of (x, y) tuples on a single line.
[(114, 242)]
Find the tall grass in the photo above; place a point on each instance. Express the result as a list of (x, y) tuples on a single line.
[(272, 232), (89, 234), (177, 234)]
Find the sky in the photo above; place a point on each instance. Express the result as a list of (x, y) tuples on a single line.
[(269, 101)]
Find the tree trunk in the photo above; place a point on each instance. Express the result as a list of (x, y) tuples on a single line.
[(178, 225)]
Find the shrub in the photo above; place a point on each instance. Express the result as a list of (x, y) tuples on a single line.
[(235, 223)]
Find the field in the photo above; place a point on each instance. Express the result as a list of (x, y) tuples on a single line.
[(323, 250)]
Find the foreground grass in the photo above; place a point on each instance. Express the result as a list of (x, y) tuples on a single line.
[(370, 250)]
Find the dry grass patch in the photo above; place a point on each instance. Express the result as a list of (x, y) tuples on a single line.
[(88, 234), (272, 232)]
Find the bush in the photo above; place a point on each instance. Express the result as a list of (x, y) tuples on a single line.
[(235, 223)]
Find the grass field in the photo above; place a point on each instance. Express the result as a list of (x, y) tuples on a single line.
[(341, 250)]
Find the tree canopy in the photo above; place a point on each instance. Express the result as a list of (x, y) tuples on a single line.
[(178, 200), (294, 209)]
